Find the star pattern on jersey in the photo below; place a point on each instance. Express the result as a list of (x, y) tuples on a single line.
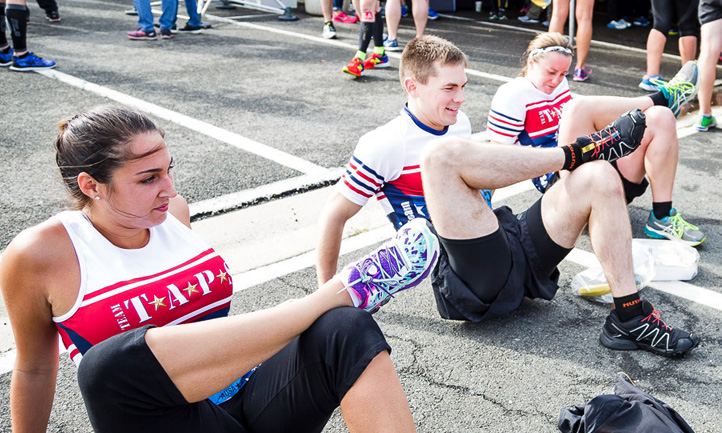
[(191, 289), (223, 276), (157, 302)]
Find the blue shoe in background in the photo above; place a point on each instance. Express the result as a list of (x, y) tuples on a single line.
[(6, 59), (31, 62)]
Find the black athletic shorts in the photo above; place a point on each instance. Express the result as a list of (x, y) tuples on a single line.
[(709, 10), (631, 190), (532, 271), (125, 389), (665, 11)]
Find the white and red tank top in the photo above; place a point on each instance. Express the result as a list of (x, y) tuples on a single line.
[(176, 278), (521, 113)]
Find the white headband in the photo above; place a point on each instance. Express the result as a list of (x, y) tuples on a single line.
[(545, 50)]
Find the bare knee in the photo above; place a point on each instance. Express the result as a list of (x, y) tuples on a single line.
[(660, 118), (661, 129), (576, 107), (442, 156), (597, 179)]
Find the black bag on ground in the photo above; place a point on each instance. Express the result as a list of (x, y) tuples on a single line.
[(628, 410)]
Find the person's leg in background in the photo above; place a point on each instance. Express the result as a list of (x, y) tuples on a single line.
[(329, 30), (710, 15), (15, 12), (420, 11), (51, 10), (393, 17)]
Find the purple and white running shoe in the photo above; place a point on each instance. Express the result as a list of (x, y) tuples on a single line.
[(400, 263)]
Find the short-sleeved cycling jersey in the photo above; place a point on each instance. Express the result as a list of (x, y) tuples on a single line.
[(386, 164), (521, 113)]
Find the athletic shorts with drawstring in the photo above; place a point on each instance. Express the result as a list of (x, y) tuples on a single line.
[(489, 276), (125, 389)]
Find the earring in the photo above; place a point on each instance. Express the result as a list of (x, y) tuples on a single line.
[(97, 197)]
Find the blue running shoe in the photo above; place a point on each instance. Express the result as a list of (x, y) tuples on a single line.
[(392, 45), (399, 264), (404, 11), (6, 59), (649, 82), (31, 62), (682, 88), (641, 21), (433, 15), (674, 227)]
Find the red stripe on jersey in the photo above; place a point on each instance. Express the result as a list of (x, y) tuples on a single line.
[(184, 295), (506, 122), (354, 189), (100, 292), (367, 178), (409, 183), (544, 116), (502, 132)]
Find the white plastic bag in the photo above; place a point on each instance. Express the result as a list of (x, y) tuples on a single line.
[(591, 284), (673, 261)]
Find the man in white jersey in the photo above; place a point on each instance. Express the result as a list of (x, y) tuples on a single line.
[(493, 259)]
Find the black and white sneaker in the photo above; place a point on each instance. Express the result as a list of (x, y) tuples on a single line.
[(648, 332), (194, 30), (52, 16), (618, 139)]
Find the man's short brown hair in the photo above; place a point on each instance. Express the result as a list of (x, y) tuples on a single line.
[(420, 55)]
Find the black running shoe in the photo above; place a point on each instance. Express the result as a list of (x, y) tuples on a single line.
[(618, 139), (194, 30), (648, 332), (52, 16)]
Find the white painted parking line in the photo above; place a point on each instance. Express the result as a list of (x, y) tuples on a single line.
[(204, 128), (681, 289), (247, 197)]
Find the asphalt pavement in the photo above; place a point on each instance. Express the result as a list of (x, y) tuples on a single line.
[(260, 119)]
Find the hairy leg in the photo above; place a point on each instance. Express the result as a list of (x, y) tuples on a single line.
[(453, 170), (593, 195)]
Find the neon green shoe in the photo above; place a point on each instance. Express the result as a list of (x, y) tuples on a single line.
[(682, 88), (704, 123), (674, 227)]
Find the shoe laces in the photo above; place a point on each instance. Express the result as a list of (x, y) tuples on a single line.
[(603, 138), (655, 318), (680, 87), (679, 225), (382, 279)]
